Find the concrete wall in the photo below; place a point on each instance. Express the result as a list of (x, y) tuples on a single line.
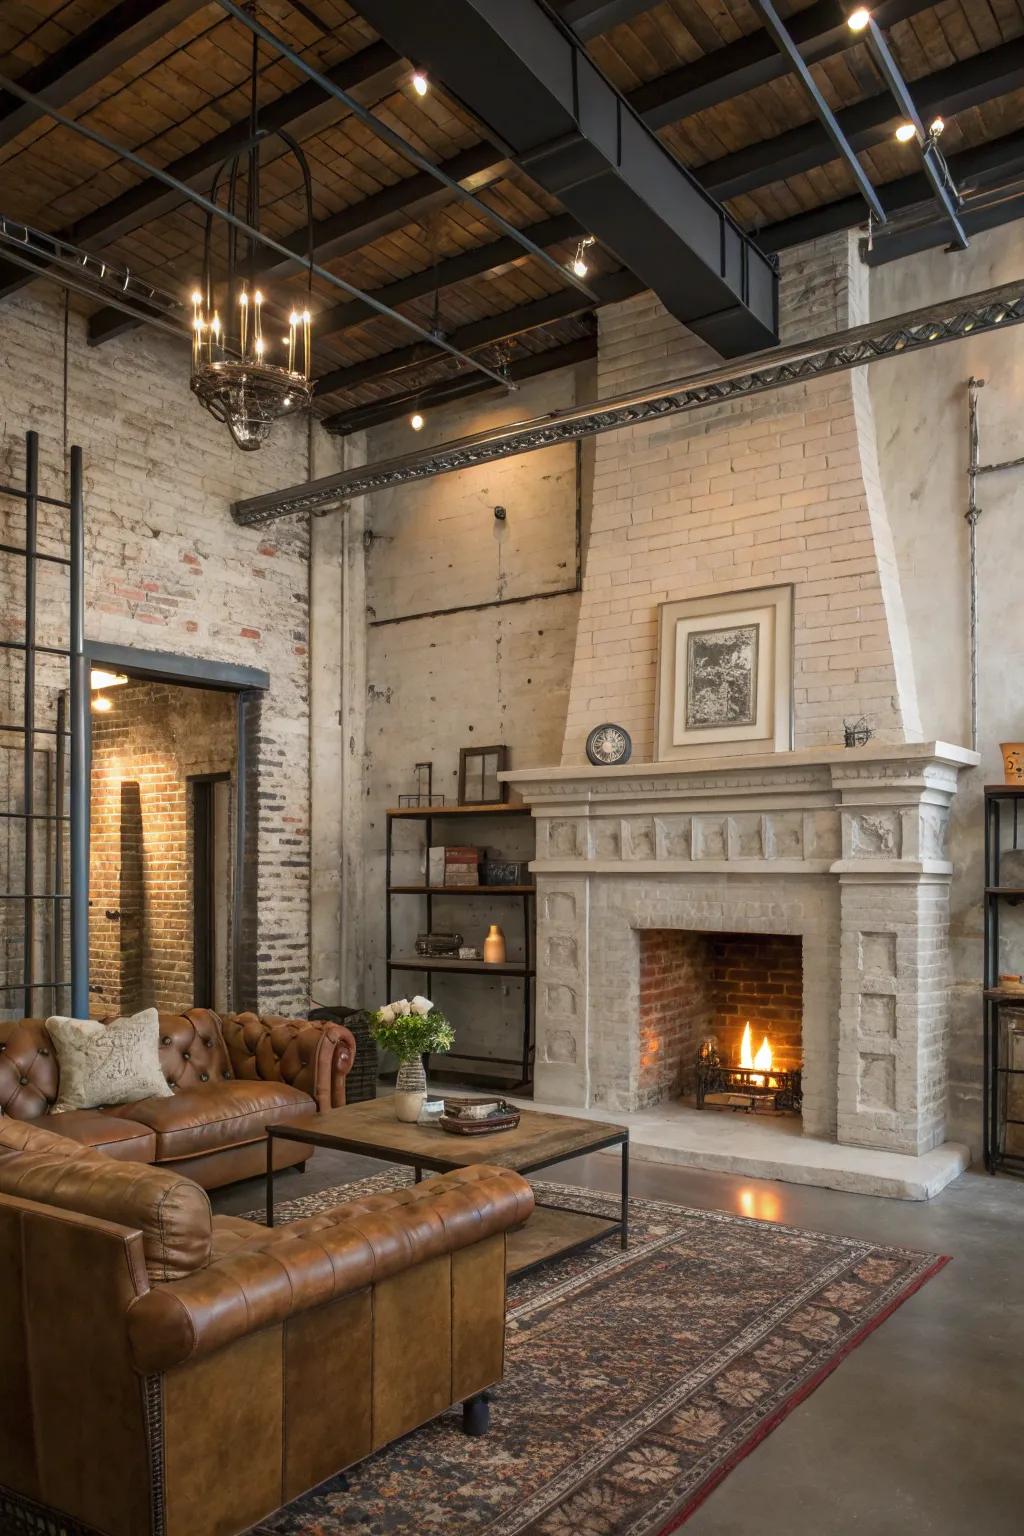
[(920, 407), (166, 569), (483, 674)]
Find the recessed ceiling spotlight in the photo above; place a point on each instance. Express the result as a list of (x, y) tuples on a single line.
[(579, 264), (420, 83), (905, 132), (416, 422), (858, 19)]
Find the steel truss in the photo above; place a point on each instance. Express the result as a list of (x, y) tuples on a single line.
[(951, 320)]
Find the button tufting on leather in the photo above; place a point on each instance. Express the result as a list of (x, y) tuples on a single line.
[(24, 1082), (208, 1043), (43, 1051), (166, 1040), (184, 1055), (204, 1077)]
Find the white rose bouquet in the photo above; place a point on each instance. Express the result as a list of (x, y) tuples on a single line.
[(410, 1028)]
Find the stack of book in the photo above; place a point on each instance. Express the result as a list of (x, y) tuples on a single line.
[(453, 865)]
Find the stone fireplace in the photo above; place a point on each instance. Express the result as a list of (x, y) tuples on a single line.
[(663, 890)]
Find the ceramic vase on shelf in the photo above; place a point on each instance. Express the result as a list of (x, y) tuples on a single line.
[(494, 946), (410, 1090)]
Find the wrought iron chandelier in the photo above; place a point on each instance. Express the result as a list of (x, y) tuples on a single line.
[(233, 373)]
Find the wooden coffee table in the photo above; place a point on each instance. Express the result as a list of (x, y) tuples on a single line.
[(538, 1141)]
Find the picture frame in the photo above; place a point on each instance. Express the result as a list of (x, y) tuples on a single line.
[(725, 674), (479, 768)]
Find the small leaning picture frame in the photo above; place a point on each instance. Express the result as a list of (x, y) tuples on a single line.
[(725, 674), (479, 768)]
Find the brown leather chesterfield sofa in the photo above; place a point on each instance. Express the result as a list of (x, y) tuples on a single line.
[(232, 1077), (171, 1374)]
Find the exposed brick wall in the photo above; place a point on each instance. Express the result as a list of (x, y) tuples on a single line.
[(167, 570), (777, 489), (758, 978), (676, 1009), (143, 751)]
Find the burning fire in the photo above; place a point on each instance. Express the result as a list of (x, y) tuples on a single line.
[(762, 1061)]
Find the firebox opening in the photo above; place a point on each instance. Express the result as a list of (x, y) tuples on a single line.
[(696, 986)]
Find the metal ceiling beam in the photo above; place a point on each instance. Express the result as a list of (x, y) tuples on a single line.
[(589, 18), (789, 49), (998, 160), (452, 269), (90, 55), (969, 83), (489, 331), (973, 314), (818, 32), (267, 241), (935, 168), (543, 102), (361, 417)]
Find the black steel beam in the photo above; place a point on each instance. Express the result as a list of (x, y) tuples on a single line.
[(997, 160), (453, 269), (969, 83), (90, 55), (973, 314), (790, 50), (819, 31), (510, 323), (542, 101), (360, 417), (589, 18)]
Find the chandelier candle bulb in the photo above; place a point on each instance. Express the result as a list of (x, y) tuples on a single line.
[(244, 306), (307, 343)]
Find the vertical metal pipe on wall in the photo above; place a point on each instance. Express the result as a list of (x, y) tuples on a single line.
[(972, 515), (79, 797)]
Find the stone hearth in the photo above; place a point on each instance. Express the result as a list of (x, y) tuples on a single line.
[(845, 848)]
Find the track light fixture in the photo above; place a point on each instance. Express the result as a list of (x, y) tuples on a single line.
[(858, 19), (579, 264), (420, 83)]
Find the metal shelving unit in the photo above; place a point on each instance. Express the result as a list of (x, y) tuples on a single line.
[(524, 969), (1003, 1007)]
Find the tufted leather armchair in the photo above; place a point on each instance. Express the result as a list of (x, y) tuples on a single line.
[(168, 1372), (231, 1077)]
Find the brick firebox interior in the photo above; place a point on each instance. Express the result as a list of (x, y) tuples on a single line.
[(145, 749), (697, 984)]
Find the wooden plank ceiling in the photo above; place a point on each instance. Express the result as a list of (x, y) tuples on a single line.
[(169, 79)]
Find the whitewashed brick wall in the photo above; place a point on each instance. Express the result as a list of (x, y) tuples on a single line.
[(167, 569), (781, 488)]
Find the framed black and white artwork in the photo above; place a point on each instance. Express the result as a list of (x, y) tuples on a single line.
[(725, 674)]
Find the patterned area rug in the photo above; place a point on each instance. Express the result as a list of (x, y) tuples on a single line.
[(634, 1381)]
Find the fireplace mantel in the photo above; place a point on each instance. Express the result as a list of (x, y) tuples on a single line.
[(846, 847)]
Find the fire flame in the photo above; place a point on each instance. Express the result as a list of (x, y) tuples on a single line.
[(763, 1060)]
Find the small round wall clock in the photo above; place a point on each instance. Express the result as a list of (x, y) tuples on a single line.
[(608, 745)]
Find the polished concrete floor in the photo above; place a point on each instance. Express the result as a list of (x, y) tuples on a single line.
[(921, 1429)]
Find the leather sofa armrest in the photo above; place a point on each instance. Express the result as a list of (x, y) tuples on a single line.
[(313, 1056), (280, 1274)]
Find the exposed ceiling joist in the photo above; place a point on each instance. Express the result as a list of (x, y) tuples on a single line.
[(583, 350), (998, 161), (492, 329), (819, 31), (589, 18), (453, 269), (967, 84), (90, 55), (949, 320), (544, 103)]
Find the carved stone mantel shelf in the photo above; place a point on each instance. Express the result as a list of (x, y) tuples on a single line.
[(858, 811), (846, 847)]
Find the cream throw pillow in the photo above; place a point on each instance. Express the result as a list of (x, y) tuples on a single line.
[(115, 1063)]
